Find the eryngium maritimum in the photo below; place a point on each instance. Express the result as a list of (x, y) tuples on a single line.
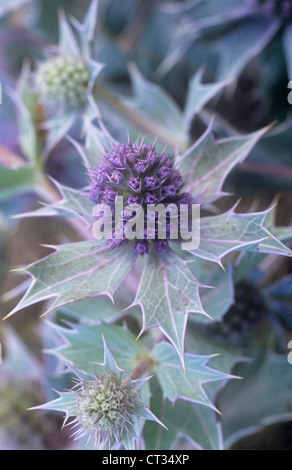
[(62, 81), (106, 408), (141, 176)]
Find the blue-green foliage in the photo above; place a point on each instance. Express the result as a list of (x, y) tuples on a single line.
[(173, 332)]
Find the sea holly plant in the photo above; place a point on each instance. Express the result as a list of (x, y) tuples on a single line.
[(140, 175), (167, 288), (142, 308)]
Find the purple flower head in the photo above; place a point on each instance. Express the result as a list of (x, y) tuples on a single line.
[(143, 176)]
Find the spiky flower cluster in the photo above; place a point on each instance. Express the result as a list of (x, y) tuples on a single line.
[(106, 408), (63, 81), (282, 8), (141, 176)]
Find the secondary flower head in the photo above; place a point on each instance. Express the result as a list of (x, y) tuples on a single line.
[(142, 176), (106, 406), (63, 80)]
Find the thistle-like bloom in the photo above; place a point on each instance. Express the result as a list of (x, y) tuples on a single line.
[(143, 177), (105, 405), (106, 408), (63, 81)]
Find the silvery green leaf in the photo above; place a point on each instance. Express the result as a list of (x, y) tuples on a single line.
[(199, 342), (57, 127), (273, 245), (76, 271), (167, 293), (207, 163), (67, 42), (218, 300), (131, 439), (109, 362), (229, 232), (195, 424), (243, 42), (90, 19), (93, 311), (197, 18), (198, 95), (66, 403), (248, 261), (95, 69), (83, 345), (189, 385), (87, 27), (28, 138), (73, 203), (97, 140), (262, 397), (16, 181), (157, 105), (223, 357)]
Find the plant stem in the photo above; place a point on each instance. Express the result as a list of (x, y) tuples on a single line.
[(144, 366)]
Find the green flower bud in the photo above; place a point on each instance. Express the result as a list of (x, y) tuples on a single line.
[(106, 408), (63, 81)]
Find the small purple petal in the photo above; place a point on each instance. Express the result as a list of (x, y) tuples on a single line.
[(135, 183), (150, 198)]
